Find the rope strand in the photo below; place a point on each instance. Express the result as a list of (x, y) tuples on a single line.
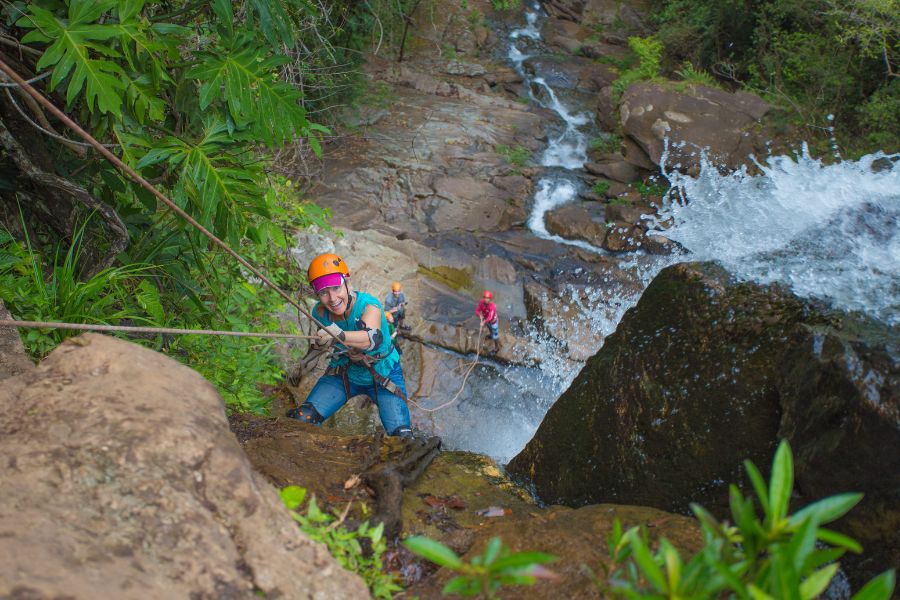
[(131, 329)]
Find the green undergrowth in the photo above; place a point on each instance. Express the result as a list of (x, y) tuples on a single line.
[(168, 279), (358, 550)]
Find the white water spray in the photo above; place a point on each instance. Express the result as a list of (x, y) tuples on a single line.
[(829, 232)]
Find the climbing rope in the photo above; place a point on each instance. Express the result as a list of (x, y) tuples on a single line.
[(465, 378), (130, 329)]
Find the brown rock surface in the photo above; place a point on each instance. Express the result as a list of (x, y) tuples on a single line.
[(575, 222), (13, 358), (699, 118), (122, 480)]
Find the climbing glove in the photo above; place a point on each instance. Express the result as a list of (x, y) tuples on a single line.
[(326, 336)]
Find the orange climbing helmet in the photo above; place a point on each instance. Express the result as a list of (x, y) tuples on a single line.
[(395, 287), (326, 270), (389, 316), (487, 294)]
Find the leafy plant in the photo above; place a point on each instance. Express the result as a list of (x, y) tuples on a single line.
[(195, 96), (487, 572), (775, 555), (691, 75), (345, 545), (35, 291), (516, 156), (600, 188), (505, 4), (649, 52), (652, 189), (606, 144)]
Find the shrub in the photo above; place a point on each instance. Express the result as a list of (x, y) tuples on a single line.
[(605, 144), (600, 188), (778, 555), (649, 53), (345, 545), (505, 4), (517, 156), (691, 75)]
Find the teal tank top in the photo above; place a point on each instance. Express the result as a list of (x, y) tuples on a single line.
[(359, 374)]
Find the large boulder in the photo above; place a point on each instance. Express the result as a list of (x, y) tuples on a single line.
[(699, 118), (121, 479), (705, 372)]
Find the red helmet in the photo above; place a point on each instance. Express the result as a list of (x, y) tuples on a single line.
[(487, 294)]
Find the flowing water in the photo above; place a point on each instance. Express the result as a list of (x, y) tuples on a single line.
[(829, 232)]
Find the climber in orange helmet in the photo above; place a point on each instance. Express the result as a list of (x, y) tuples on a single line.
[(395, 303), (364, 359), (487, 312)]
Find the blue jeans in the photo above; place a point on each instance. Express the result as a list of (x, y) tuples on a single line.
[(328, 396)]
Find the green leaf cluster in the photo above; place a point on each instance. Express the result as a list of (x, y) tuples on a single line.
[(649, 54), (517, 156), (345, 545), (764, 556), (36, 289), (486, 573)]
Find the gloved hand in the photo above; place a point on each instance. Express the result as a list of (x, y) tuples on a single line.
[(326, 336)]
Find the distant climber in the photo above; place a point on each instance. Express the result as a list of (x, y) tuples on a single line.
[(364, 359), (395, 303), (487, 312)]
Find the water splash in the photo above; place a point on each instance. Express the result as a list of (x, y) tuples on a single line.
[(829, 232)]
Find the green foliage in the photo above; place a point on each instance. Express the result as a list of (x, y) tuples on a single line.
[(600, 188), (506, 4), (652, 189), (775, 555), (649, 53), (345, 545), (487, 572), (34, 289), (607, 144), (621, 202), (194, 96), (516, 156), (691, 75)]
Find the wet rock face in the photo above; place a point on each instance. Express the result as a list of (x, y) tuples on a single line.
[(122, 480), (705, 372), (650, 407), (700, 118)]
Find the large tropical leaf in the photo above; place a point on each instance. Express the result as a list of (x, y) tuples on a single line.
[(245, 79), (76, 51)]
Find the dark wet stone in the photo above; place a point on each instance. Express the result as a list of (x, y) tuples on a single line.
[(705, 372)]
